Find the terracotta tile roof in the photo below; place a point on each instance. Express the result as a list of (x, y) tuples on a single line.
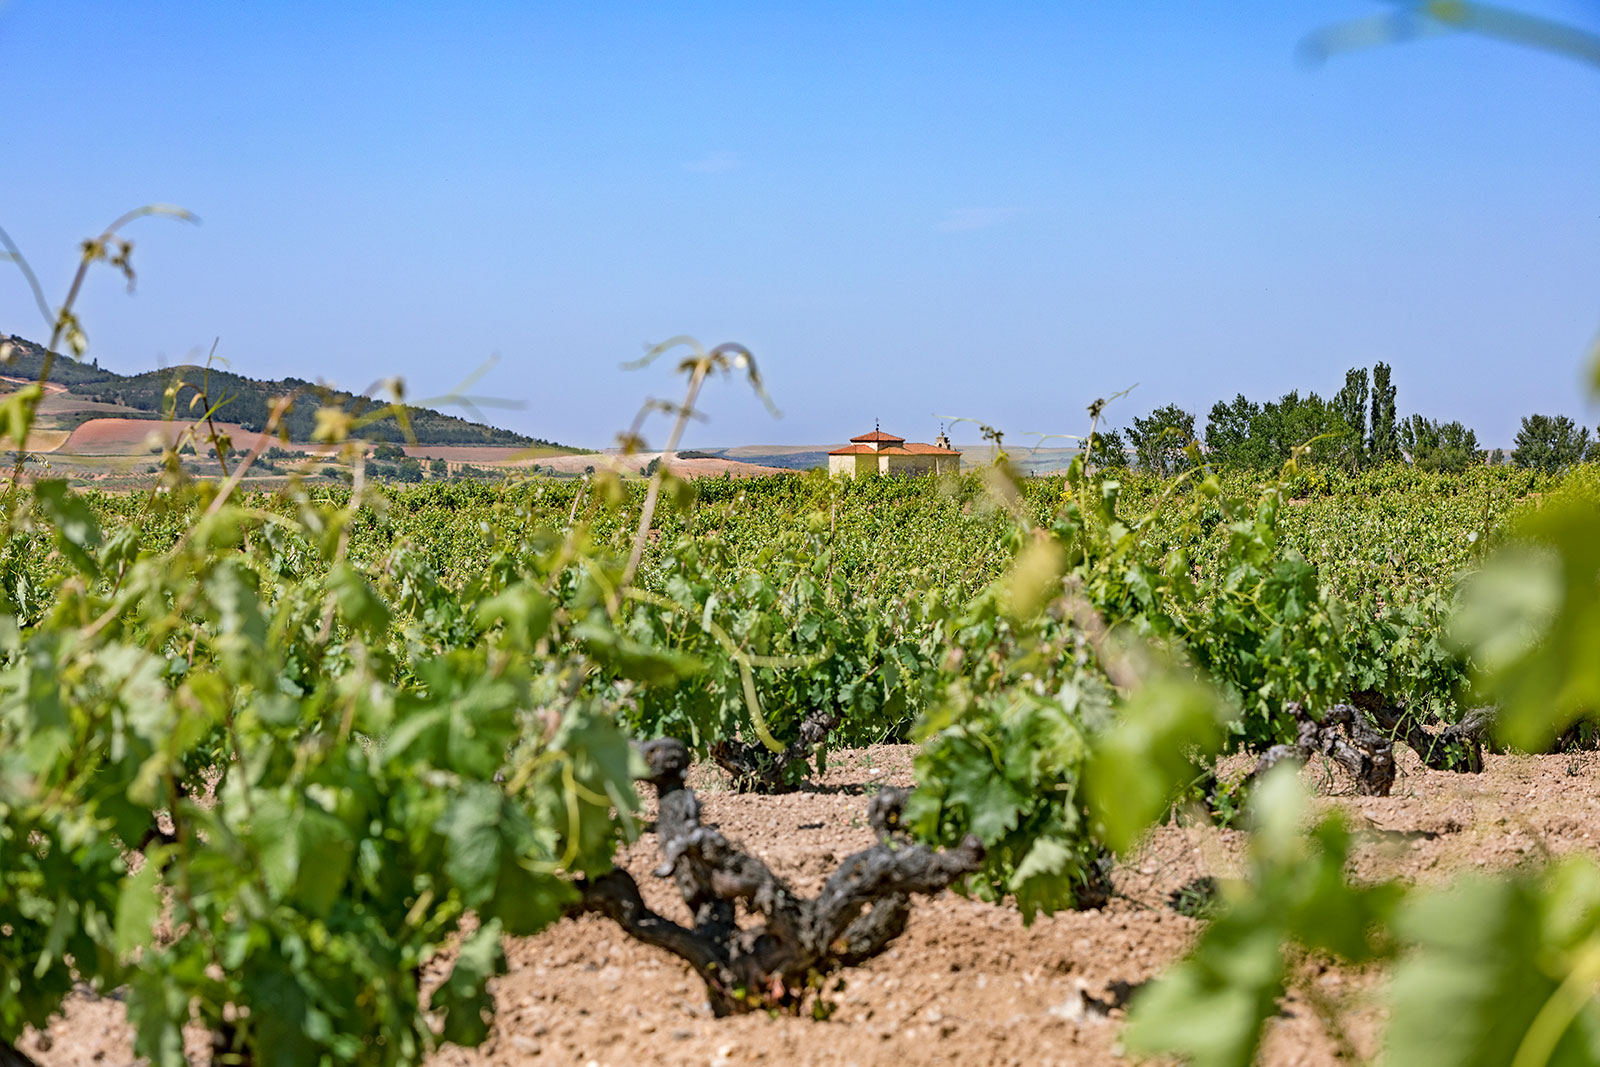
[(878, 435), (912, 448)]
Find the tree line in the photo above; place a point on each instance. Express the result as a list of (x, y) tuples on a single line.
[(1358, 427)]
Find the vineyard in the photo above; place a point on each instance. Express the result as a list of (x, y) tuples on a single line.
[(1192, 763), (332, 775)]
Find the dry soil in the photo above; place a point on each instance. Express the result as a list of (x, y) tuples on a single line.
[(967, 983)]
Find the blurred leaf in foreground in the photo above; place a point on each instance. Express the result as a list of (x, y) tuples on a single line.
[(1532, 618), (1211, 1006), (1504, 972), (1150, 751)]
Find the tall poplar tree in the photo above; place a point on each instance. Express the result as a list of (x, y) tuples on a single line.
[(1383, 442), (1350, 404)]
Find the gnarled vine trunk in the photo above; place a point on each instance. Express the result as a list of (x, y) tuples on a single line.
[(1360, 738), (13, 1057), (795, 942), (1344, 735), (1456, 747), (756, 769)]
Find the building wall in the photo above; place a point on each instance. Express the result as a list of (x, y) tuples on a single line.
[(853, 465), (906, 465)]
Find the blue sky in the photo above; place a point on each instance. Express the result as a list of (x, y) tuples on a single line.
[(905, 209)]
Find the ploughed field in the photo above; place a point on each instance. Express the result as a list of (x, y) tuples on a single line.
[(967, 982)]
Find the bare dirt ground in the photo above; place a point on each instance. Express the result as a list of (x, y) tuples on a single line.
[(123, 437), (50, 388), (1024, 455), (967, 982), (46, 440), (577, 463), (685, 468)]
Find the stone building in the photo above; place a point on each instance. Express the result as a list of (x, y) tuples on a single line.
[(884, 453)]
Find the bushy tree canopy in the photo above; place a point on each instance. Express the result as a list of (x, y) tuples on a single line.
[(1550, 443), (1159, 440), (1245, 434), (1292, 421), (1431, 445), (1231, 437)]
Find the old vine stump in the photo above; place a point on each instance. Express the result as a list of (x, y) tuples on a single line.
[(791, 943)]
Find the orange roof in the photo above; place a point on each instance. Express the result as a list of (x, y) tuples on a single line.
[(878, 435), (913, 448)]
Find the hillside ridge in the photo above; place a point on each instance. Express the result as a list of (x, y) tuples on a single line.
[(248, 401)]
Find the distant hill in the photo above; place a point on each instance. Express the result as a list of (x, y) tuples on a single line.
[(248, 401)]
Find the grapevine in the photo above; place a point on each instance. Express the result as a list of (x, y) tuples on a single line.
[(266, 759)]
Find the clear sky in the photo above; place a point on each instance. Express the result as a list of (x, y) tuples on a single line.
[(993, 210)]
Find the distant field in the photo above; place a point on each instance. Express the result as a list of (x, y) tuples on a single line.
[(46, 440), (95, 439), (490, 455), (791, 457), (688, 468), (108, 445), (567, 462), (1028, 460), (49, 387), (805, 457), (127, 437)]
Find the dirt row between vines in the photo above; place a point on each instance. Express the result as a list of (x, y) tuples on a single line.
[(967, 983)]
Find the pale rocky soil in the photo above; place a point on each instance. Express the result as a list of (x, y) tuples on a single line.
[(685, 468), (967, 983)]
